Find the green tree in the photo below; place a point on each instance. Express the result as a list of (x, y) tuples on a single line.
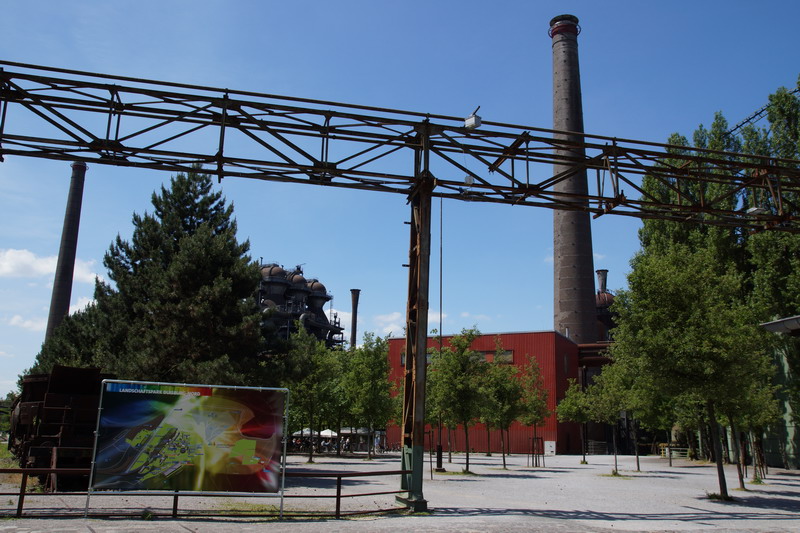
[(76, 342), (337, 411), (5, 413), (314, 386), (180, 307), (775, 256), (366, 385), (533, 410), (502, 396), (639, 398), (459, 370), (605, 398), (716, 284), (574, 407), (684, 322), (437, 410)]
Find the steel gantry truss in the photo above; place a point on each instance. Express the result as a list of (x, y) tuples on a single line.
[(93, 118), (80, 116)]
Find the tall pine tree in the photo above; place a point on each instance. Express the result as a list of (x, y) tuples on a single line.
[(181, 305)]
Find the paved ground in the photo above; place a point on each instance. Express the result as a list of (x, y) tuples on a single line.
[(562, 496)]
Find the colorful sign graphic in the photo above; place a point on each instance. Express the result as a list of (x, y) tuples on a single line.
[(157, 436)]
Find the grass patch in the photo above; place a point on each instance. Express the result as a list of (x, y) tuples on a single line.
[(459, 473), (250, 507), (616, 474), (718, 497), (6, 459)]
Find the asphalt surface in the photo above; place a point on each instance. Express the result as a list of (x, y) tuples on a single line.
[(561, 496)]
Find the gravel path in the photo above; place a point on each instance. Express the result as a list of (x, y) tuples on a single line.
[(561, 496)]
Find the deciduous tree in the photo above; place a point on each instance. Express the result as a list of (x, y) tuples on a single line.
[(459, 370)]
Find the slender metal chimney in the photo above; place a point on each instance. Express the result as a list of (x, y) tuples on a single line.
[(602, 281), (65, 267), (354, 322), (574, 306)]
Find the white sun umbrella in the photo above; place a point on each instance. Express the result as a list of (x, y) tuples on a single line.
[(305, 432), (327, 433)]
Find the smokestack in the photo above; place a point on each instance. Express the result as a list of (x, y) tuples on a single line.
[(354, 322), (574, 306), (602, 281), (65, 267)]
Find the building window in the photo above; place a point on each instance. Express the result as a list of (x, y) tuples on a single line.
[(504, 357)]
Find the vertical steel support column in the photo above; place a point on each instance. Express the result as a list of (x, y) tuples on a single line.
[(574, 313), (413, 457), (62, 286)]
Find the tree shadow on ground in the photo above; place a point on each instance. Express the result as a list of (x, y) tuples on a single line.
[(784, 501), (692, 515), (330, 482)]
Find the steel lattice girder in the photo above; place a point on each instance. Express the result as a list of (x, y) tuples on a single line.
[(115, 120)]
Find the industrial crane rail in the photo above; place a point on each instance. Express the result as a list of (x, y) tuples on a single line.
[(70, 115)]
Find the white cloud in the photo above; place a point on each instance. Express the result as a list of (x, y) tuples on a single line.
[(5, 355), (84, 272), (26, 264), (599, 257), (36, 324), (549, 259), (476, 318), (433, 317), (391, 324)]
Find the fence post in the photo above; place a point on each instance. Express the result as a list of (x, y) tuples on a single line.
[(175, 505), (22, 486), (338, 497)]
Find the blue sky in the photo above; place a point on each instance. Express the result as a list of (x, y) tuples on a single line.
[(648, 69)]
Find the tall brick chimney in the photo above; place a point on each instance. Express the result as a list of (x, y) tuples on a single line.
[(574, 310)]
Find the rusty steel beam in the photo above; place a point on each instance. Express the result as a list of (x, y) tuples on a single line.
[(413, 453), (95, 118)]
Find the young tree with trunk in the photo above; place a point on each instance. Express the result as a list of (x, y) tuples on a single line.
[(534, 410), (574, 407), (460, 371), (366, 385), (315, 386), (502, 395)]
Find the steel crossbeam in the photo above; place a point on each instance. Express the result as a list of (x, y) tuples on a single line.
[(79, 116)]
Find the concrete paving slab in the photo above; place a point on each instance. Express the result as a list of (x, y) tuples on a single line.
[(562, 496)]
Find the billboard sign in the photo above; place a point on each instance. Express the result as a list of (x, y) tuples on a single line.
[(174, 437)]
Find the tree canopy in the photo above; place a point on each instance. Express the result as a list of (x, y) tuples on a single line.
[(180, 303), (687, 339)]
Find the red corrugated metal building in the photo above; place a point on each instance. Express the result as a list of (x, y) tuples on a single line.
[(558, 360)]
